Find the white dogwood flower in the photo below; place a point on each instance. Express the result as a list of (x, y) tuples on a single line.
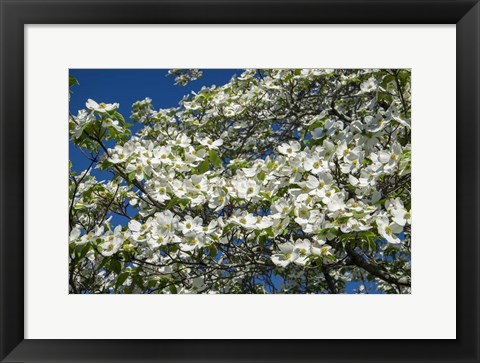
[(288, 254), (101, 107)]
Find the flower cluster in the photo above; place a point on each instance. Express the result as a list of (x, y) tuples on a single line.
[(280, 181), (185, 76)]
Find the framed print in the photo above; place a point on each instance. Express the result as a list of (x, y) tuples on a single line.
[(232, 181)]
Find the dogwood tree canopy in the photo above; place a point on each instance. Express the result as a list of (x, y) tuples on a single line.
[(279, 181)]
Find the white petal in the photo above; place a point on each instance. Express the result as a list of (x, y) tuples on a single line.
[(286, 247), (279, 260), (91, 104), (134, 225)]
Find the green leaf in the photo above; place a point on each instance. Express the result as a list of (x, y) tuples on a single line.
[(119, 117), (265, 195), (203, 167), (215, 159), (387, 79), (104, 165), (172, 203), (213, 251), (344, 238), (330, 257), (103, 263), (78, 206), (228, 228), (115, 266), (164, 281), (261, 176), (131, 176), (72, 81), (138, 281), (84, 251), (182, 202), (120, 280), (262, 240), (359, 215), (173, 289), (326, 231), (151, 283), (269, 232), (369, 238)]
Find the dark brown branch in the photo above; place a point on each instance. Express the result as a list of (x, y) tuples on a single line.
[(329, 280), (375, 270)]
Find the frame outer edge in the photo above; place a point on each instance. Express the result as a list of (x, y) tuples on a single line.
[(468, 180), (11, 179), (11, 293)]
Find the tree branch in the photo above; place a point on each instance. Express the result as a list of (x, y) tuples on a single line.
[(375, 270)]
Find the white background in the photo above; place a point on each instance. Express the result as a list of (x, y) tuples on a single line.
[(429, 312)]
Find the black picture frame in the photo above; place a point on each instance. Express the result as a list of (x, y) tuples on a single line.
[(17, 13)]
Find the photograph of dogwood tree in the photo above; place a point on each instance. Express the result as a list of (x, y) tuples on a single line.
[(278, 181)]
